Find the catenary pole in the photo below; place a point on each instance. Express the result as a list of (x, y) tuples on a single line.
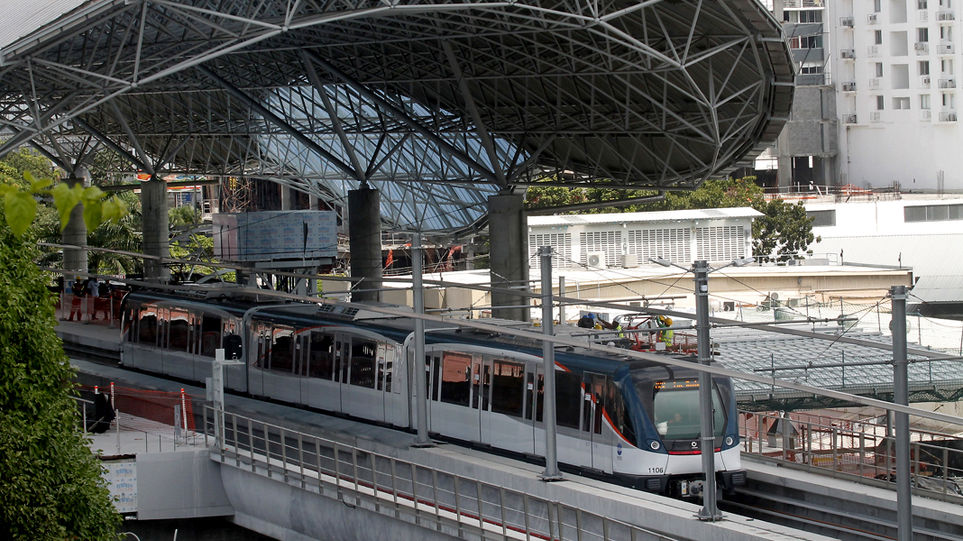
[(710, 509), (551, 472), (904, 508), (418, 299)]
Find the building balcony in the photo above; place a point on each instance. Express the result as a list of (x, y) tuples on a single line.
[(848, 54), (948, 116), (924, 81), (921, 47), (925, 115), (947, 82), (807, 55), (849, 86), (945, 15), (846, 22), (874, 116), (873, 83), (872, 51), (872, 18), (849, 119), (945, 48), (924, 16), (804, 4)]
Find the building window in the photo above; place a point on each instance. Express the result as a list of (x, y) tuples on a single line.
[(810, 70), (561, 244), (901, 103), (924, 101), (920, 4), (876, 6), (933, 213), (949, 102), (922, 34), (822, 218), (878, 37), (946, 33), (811, 16), (947, 66), (879, 68), (879, 103), (924, 67)]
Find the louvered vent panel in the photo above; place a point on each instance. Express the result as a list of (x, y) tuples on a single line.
[(723, 243), (561, 244), (601, 241), (672, 244)]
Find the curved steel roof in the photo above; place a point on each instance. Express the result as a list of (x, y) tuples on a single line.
[(437, 103)]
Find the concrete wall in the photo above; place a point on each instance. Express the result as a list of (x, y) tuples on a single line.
[(180, 485)]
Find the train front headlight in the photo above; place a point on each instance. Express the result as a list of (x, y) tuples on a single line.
[(729, 441), (654, 445)]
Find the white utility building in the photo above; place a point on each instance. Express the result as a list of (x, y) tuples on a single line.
[(599, 241)]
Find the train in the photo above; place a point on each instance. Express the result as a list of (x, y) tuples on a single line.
[(633, 421)]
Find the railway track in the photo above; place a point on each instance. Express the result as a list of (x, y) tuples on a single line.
[(838, 514)]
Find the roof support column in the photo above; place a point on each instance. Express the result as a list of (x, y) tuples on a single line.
[(153, 198), (364, 238), (508, 255), (75, 234)]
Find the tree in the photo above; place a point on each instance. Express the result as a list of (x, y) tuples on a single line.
[(50, 482), (784, 231)]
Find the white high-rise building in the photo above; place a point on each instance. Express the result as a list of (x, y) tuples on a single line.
[(895, 66)]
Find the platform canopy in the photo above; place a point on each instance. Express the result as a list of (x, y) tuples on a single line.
[(439, 104)]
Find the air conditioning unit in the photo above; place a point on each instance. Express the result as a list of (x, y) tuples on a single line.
[(849, 87), (595, 260), (630, 261)]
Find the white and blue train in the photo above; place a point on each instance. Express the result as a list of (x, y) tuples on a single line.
[(637, 421)]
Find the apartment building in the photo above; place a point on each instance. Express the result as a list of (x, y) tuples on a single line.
[(896, 91)]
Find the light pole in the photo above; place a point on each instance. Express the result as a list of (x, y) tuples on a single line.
[(710, 509)]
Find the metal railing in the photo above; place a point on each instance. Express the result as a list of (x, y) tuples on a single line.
[(401, 489), (859, 449)]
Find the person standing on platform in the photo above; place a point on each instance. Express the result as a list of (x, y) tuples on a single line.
[(76, 291), (93, 289)]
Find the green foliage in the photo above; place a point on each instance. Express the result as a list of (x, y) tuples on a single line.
[(50, 482), (184, 215), (783, 232), (124, 234)]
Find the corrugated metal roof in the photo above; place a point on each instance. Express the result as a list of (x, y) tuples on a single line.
[(19, 18), (659, 216), (940, 288)]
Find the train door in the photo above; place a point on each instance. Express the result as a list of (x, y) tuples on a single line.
[(481, 390), (432, 362), (262, 347), (360, 396), (534, 402), (593, 429)]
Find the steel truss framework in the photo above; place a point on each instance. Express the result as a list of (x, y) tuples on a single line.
[(439, 104)]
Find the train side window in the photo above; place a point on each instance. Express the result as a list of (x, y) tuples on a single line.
[(321, 363), (455, 378), (179, 330), (163, 324), (282, 350), (594, 402), (386, 364), (233, 343), (363, 363), (210, 334), (147, 327), (615, 406), (508, 388), (262, 331), (568, 398)]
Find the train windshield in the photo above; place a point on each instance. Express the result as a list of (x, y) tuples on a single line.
[(675, 409)]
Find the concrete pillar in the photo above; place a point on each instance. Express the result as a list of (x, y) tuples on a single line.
[(784, 162), (508, 230), (153, 198), (364, 238), (75, 259)]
